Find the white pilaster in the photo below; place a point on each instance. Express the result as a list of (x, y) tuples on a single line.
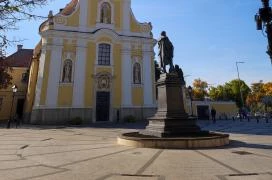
[(147, 73), (40, 78), (54, 73), (79, 74), (83, 17), (126, 15), (126, 75)]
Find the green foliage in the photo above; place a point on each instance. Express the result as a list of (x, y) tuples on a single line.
[(129, 119), (76, 121), (234, 86), (230, 91)]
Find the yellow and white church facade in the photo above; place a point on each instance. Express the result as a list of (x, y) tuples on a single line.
[(95, 61)]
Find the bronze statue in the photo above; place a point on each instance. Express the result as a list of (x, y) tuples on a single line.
[(166, 52), (179, 71)]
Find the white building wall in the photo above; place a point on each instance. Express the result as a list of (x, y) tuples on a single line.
[(54, 73)]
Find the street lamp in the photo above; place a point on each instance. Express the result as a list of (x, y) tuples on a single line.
[(190, 91), (241, 94), (264, 20), (14, 90)]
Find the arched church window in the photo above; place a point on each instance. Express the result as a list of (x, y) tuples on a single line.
[(105, 13), (104, 54), (67, 71), (137, 79)]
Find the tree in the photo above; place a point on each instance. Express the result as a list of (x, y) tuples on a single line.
[(267, 101), (230, 91), (257, 93), (268, 88), (220, 93), (234, 87), (260, 97), (5, 77), (199, 89), (13, 11)]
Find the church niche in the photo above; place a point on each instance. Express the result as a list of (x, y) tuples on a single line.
[(67, 71), (137, 73), (105, 13)]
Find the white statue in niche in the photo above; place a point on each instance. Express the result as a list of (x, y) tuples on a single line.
[(67, 71), (137, 73), (105, 13)]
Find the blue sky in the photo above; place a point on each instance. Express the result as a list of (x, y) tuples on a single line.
[(209, 36)]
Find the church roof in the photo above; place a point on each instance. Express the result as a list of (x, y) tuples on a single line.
[(21, 58), (69, 8)]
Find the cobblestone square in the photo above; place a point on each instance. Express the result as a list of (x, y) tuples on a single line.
[(32, 152)]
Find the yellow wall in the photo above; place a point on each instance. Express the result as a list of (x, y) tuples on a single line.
[(118, 14), (92, 13), (104, 39), (33, 74), (7, 94), (137, 96), (229, 109), (134, 26), (65, 96), (89, 83), (73, 19), (117, 89), (69, 46)]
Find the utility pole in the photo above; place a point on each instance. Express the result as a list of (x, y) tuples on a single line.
[(241, 94)]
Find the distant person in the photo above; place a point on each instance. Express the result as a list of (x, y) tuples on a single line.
[(240, 114), (213, 113), (16, 120)]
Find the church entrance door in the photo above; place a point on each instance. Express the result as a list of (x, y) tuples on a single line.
[(102, 106)]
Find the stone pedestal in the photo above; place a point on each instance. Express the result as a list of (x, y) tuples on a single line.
[(171, 120)]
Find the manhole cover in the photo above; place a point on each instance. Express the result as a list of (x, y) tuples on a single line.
[(242, 152)]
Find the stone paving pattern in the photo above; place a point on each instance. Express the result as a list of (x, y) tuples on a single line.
[(58, 153)]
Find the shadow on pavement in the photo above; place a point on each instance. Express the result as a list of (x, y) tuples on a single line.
[(137, 125), (239, 144)]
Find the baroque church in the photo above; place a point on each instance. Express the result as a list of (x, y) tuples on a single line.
[(95, 62)]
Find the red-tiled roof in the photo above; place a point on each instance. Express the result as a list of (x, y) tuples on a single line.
[(69, 8), (21, 58)]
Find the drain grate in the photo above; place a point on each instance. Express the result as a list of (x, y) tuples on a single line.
[(132, 176), (135, 175), (246, 174), (23, 147), (136, 153), (239, 176), (242, 152)]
